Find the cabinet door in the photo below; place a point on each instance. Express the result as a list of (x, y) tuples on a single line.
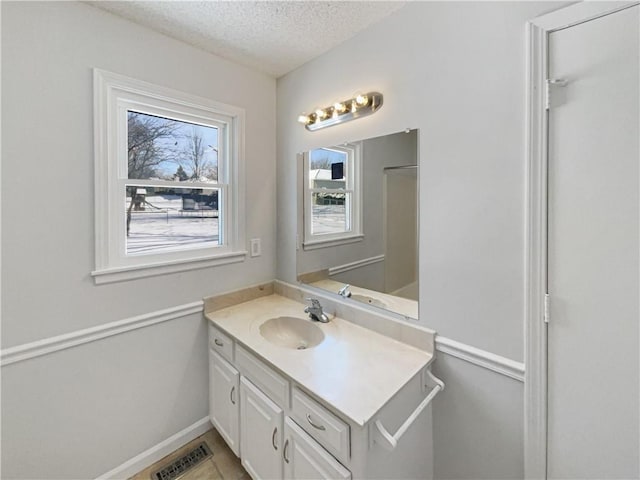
[(224, 400), (304, 458), (261, 436)]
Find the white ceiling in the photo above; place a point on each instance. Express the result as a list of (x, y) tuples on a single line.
[(274, 37)]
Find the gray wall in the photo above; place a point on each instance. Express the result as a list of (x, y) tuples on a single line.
[(82, 411), (455, 71), (478, 423)]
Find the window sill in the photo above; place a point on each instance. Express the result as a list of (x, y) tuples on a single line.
[(122, 274), (316, 244)]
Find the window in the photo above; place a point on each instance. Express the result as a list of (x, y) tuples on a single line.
[(332, 198), (168, 180)]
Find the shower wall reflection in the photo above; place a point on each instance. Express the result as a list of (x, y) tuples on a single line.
[(401, 231)]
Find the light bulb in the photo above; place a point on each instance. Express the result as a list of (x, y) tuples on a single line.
[(362, 100), (304, 119), (321, 114), (339, 107)]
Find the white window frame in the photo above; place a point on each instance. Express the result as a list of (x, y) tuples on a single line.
[(353, 186), (116, 94)]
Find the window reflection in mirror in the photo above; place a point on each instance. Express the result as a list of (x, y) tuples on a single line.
[(332, 197), (359, 221)]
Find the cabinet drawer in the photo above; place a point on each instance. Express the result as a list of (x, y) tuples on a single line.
[(305, 458), (221, 342), (321, 424), (274, 385)]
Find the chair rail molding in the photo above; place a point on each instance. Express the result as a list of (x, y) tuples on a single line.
[(355, 265), (481, 358), (45, 346), (536, 131)]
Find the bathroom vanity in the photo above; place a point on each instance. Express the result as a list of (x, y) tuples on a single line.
[(298, 399)]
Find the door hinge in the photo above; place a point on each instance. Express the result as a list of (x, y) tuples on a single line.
[(552, 82), (546, 308)]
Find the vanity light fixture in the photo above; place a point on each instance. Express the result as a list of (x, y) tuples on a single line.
[(340, 112)]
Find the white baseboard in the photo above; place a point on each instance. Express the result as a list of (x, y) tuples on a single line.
[(155, 453)]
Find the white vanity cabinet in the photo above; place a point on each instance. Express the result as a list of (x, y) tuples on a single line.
[(298, 413), (248, 404), (305, 459), (260, 432), (224, 405)]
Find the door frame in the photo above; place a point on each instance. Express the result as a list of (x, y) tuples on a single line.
[(535, 384)]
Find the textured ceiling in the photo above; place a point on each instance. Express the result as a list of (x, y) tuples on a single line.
[(274, 37)]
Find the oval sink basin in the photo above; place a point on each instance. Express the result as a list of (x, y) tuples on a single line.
[(292, 332), (370, 300)]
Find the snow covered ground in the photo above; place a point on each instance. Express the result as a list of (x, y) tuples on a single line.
[(328, 219), (166, 228)]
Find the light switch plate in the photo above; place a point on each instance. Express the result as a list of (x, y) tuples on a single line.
[(256, 248)]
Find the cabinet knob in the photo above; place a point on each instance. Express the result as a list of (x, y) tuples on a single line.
[(218, 342), (273, 438), (233, 389)]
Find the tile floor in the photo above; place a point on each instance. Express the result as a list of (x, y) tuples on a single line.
[(223, 465)]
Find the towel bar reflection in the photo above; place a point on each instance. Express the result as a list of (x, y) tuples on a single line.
[(381, 435)]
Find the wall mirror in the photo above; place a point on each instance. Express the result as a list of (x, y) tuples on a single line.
[(358, 221)]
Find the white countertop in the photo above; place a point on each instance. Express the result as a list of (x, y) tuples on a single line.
[(355, 370)]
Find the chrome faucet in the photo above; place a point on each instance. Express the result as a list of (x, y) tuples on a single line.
[(345, 291), (315, 311)]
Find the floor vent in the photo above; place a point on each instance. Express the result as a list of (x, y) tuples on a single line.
[(181, 465)]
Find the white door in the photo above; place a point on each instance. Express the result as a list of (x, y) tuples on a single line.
[(261, 434), (306, 459), (593, 268), (224, 400)]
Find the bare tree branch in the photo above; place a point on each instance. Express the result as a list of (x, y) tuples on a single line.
[(149, 142), (193, 157), (145, 149)]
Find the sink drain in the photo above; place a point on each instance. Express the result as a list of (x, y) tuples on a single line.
[(301, 347)]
